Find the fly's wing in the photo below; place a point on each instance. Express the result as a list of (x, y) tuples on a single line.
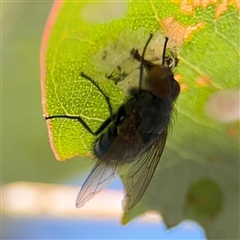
[(100, 176), (141, 172)]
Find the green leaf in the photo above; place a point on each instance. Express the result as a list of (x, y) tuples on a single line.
[(198, 175)]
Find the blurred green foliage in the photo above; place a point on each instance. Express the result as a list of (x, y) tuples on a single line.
[(26, 153)]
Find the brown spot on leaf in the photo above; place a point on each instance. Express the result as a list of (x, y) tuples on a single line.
[(211, 160), (190, 30), (204, 199), (188, 6), (178, 32), (203, 81), (233, 131), (178, 77), (184, 87), (222, 7)]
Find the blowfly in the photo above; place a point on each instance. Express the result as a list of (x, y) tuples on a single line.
[(136, 134)]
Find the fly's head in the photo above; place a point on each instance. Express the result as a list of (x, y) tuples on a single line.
[(160, 79), (161, 82)]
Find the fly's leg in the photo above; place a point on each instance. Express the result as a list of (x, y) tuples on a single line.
[(139, 58), (78, 118), (100, 90), (142, 60), (147, 64)]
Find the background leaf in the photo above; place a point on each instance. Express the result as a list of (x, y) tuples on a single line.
[(197, 177), (26, 154)]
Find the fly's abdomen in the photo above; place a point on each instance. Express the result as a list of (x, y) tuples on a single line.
[(122, 141), (103, 144)]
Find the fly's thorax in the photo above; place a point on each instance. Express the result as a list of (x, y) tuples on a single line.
[(138, 102), (156, 116), (154, 112)]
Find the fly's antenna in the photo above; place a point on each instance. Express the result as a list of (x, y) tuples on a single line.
[(164, 51), (142, 59)]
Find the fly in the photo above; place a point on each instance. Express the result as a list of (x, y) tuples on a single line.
[(136, 134)]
